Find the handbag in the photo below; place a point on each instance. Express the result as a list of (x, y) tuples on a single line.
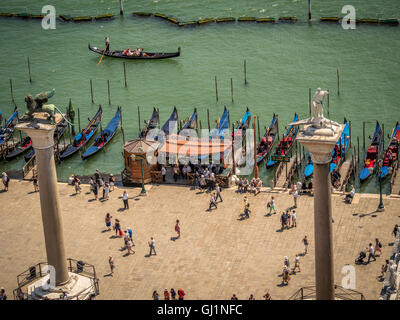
[(120, 232)]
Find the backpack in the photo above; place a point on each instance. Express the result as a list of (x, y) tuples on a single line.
[(379, 245)]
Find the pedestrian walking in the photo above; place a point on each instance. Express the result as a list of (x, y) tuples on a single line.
[(294, 221), (296, 263), (246, 208), (283, 220), (178, 228), (166, 294), (213, 203), (111, 263), (130, 232), (395, 230), (286, 276), (117, 228), (267, 296), (106, 191), (371, 252), (252, 297), (108, 221), (152, 246), (288, 219), (35, 183), (155, 295), (378, 247), (286, 262), (95, 189), (125, 198), (77, 183), (129, 245), (97, 177), (6, 181), (3, 295), (271, 205), (234, 297), (218, 191), (306, 243), (173, 294), (295, 195), (384, 269), (163, 173), (181, 294), (111, 182)]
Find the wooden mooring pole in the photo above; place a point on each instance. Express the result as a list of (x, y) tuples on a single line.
[(309, 100), (338, 82), (216, 88), (358, 149), (125, 75), (29, 70), (364, 135), (91, 90), (121, 8), (109, 95), (12, 92), (232, 89), (208, 119), (309, 10), (245, 72), (138, 111)]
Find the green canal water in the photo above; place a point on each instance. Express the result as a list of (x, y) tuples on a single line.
[(283, 61)]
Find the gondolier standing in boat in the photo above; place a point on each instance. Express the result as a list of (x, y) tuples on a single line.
[(107, 41)]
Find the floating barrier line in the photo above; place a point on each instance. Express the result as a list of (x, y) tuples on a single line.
[(180, 23)]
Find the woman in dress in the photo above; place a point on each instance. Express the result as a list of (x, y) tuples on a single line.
[(178, 228), (108, 221)]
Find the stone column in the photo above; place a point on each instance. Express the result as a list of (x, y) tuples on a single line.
[(323, 232), (43, 142), (320, 142)]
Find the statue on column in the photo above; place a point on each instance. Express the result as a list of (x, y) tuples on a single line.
[(393, 275), (317, 108), (37, 104)]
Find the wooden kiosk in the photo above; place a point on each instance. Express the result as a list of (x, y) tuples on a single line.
[(134, 151)]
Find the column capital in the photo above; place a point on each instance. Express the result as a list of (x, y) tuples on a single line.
[(320, 142), (42, 134)]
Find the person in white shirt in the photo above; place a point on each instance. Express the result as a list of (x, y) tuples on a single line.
[(152, 246), (294, 223), (163, 173), (296, 263), (125, 198), (371, 253), (295, 195)]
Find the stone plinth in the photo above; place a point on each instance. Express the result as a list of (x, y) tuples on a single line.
[(78, 288), (319, 137), (42, 136)]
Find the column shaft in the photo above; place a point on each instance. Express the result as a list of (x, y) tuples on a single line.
[(51, 213), (323, 233)]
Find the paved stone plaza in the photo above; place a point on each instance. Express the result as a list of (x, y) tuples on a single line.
[(217, 255)]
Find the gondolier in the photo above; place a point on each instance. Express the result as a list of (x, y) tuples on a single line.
[(107, 41)]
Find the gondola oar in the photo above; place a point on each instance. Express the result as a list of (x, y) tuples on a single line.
[(102, 55)]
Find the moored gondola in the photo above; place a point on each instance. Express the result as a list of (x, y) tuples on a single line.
[(191, 123), (170, 125), (286, 143), (20, 148), (142, 55), (7, 131), (391, 153), (150, 125), (104, 137), (222, 126), (243, 125), (81, 139), (267, 141), (373, 153)]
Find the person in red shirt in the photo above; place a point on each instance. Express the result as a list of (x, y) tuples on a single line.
[(181, 293), (166, 294)]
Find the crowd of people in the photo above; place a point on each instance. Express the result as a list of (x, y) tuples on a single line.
[(254, 186), (169, 295)]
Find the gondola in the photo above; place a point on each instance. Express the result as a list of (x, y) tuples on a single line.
[(222, 126), (8, 129), (58, 133), (20, 148), (104, 137), (373, 153), (390, 155), (151, 124), (243, 124), (268, 140), (191, 123), (286, 143), (338, 152), (171, 123), (146, 55), (83, 137)]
